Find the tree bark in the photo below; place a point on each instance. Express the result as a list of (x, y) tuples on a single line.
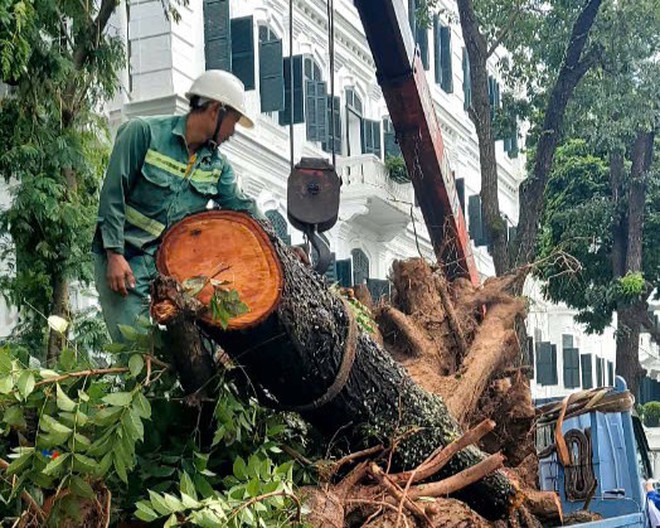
[(628, 323), (619, 223), (575, 65), (60, 307), (480, 113), (296, 353)]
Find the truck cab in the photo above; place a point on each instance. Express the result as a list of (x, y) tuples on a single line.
[(594, 454)]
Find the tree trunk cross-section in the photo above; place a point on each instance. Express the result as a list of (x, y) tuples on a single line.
[(295, 353)]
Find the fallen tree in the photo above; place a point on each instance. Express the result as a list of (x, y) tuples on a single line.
[(300, 346)]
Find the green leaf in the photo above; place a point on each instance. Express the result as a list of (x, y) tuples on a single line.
[(136, 364), (85, 464), (14, 416), (81, 488), (188, 502), (142, 406), (17, 465), (115, 348), (187, 486), (144, 512), (159, 503), (48, 374), (68, 358), (240, 468), (63, 401), (5, 361), (172, 521), (120, 468), (53, 467), (50, 425), (6, 384), (105, 464), (128, 332), (107, 416), (173, 503), (253, 487), (119, 399), (26, 384)]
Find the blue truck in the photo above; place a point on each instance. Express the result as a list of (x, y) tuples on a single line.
[(593, 452)]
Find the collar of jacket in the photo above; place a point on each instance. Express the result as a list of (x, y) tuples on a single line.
[(179, 129)]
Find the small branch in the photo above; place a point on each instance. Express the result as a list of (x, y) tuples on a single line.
[(439, 458), (354, 456), (460, 480), (394, 490), (26, 496), (381, 504), (265, 496), (82, 374)]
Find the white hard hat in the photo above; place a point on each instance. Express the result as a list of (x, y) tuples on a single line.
[(223, 87)]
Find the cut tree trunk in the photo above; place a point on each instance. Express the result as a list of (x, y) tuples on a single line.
[(295, 352)]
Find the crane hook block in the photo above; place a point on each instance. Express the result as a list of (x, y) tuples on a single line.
[(313, 195)]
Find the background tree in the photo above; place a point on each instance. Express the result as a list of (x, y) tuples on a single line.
[(602, 201), (61, 65)]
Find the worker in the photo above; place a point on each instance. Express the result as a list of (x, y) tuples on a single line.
[(162, 169), (652, 503)]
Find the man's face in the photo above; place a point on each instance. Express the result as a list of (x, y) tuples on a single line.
[(228, 126)]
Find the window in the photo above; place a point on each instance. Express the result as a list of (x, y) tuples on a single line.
[(371, 137), (600, 372), (316, 101), (360, 266), (460, 191), (333, 137), (476, 222), (217, 35), (610, 374), (344, 272), (443, 69), (493, 96), (353, 122), (571, 367), (378, 289), (391, 147), (566, 341), (271, 74), (546, 364), (242, 51), (419, 32), (298, 91), (280, 225), (587, 372), (467, 83)]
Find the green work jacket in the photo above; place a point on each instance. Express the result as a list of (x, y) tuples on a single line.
[(152, 183)]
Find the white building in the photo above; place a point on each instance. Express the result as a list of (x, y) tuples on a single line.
[(377, 218)]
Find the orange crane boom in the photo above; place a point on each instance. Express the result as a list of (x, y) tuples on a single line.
[(400, 74)]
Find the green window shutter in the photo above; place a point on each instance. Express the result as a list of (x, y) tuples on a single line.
[(587, 374), (360, 266), (378, 289), (333, 114), (498, 98), (544, 364), (566, 341), (371, 137), (610, 374), (599, 372), (344, 273), (271, 75), (331, 273), (437, 50), (392, 148), (571, 368), (467, 83), (298, 92), (460, 190), (279, 224), (423, 42), (217, 35), (553, 374), (491, 96), (514, 151), (242, 50), (316, 110), (447, 83), (476, 223)]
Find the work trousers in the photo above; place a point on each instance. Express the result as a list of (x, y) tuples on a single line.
[(118, 310)]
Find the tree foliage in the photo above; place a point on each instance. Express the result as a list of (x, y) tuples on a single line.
[(61, 67)]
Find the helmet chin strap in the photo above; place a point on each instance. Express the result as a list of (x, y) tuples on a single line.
[(212, 143)]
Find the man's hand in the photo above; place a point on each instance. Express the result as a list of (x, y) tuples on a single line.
[(120, 276)]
